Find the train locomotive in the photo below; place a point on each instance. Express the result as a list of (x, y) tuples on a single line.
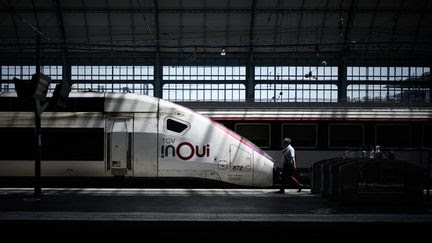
[(127, 135)]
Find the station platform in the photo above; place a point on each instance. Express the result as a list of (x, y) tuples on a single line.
[(209, 215)]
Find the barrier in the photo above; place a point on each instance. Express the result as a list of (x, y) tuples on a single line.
[(334, 178), (326, 176), (316, 177), (367, 180), (373, 180)]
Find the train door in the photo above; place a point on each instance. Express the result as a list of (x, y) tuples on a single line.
[(119, 146), (145, 159)]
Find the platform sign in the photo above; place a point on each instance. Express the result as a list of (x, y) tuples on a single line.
[(41, 83)]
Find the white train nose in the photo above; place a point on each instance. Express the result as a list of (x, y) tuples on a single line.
[(263, 170)]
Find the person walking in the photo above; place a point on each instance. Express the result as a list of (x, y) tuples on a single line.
[(289, 166)]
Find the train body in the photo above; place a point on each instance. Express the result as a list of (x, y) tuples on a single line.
[(322, 131), (106, 135)]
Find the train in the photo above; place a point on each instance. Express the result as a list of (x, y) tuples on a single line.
[(105, 135), (319, 131)]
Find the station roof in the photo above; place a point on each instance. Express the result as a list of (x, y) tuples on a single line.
[(208, 26)]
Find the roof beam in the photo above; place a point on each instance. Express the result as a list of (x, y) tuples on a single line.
[(181, 25), (132, 24), (220, 10), (60, 23), (204, 23), (227, 25), (12, 12), (156, 24), (15, 28), (372, 24), (9, 9), (350, 21), (396, 19), (252, 26), (55, 45), (35, 12), (420, 21), (109, 23), (299, 25), (276, 25), (85, 20), (66, 67), (324, 19)]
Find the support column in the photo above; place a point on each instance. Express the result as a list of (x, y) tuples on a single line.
[(250, 71), (157, 68), (67, 73), (429, 97), (346, 40), (38, 130), (342, 80), (157, 77), (250, 78)]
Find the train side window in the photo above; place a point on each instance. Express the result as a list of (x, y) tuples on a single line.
[(346, 135), (393, 135), (175, 125), (257, 133), (62, 144), (427, 136), (303, 135), (16, 143)]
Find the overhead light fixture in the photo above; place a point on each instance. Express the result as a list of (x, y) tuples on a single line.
[(223, 53)]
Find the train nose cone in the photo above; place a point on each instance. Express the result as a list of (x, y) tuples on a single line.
[(263, 170)]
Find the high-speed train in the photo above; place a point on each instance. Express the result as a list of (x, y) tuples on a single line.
[(113, 134)]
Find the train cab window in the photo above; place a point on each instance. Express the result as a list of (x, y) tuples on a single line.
[(175, 125), (393, 135), (257, 133), (302, 135), (427, 136), (346, 135)]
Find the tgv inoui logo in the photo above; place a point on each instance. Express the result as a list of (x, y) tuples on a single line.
[(183, 150)]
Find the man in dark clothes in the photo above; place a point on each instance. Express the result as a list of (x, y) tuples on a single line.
[(289, 165)]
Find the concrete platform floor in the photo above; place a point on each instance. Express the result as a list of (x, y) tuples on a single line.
[(194, 214)]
